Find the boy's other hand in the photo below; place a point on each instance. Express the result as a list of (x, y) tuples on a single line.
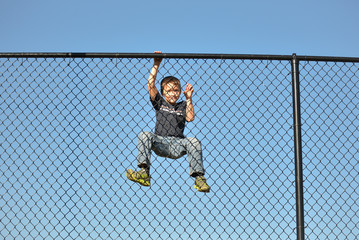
[(188, 92)]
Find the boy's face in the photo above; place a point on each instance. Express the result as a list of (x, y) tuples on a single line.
[(171, 92)]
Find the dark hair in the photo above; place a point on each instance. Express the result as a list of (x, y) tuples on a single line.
[(169, 79)]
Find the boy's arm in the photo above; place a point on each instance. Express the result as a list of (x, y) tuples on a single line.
[(189, 109), (152, 78)]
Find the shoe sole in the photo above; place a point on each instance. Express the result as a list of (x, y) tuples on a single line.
[(200, 190)]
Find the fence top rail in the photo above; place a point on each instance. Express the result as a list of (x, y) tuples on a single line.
[(175, 55)]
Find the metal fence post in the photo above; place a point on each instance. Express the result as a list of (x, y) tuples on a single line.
[(298, 148)]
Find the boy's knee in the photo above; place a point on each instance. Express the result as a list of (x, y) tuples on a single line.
[(144, 135), (194, 141)]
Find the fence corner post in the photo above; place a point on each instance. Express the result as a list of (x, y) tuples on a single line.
[(298, 148)]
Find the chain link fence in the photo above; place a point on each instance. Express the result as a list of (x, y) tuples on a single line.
[(69, 128), (330, 113)]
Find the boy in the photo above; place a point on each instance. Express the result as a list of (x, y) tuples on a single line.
[(168, 139)]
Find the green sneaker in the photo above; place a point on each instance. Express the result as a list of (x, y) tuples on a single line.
[(201, 184), (141, 177)]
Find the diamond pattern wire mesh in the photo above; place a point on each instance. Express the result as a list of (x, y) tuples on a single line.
[(330, 109), (69, 131)]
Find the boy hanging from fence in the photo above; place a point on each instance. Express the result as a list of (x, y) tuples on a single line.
[(168, 139)]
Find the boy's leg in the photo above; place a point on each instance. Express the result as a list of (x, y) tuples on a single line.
[(145, 140), (194, 151), (143, 160), (170, 147), (192, 146)]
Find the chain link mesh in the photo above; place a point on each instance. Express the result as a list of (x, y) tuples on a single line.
[(330, 113), (69, 130)]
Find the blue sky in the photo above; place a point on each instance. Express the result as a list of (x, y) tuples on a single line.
[(320, 28)]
